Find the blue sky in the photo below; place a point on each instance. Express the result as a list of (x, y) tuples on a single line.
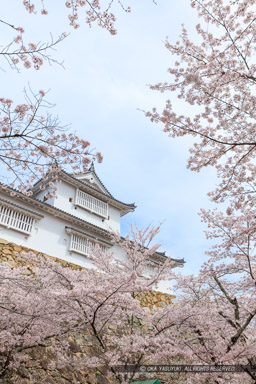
[(101, 91)]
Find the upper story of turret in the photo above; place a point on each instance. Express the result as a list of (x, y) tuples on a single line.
[(86, 197)]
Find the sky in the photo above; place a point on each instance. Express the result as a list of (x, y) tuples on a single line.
[(101, 92)]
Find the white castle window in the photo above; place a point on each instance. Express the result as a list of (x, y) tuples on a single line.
[(83, 245), (12, 218), (91, 203)]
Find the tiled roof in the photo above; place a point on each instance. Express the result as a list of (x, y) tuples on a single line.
[(132, 205), (129, 207), (19, 207), (92, 169), (71, 229), (163, 254)]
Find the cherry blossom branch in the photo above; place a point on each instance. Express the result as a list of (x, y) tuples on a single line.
[(236, 337), (32, 143), (9, 25), (218, 77)]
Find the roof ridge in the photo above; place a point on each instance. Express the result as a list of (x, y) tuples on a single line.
[(92, 170), (96, 190)]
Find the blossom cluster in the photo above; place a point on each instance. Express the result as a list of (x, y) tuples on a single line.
[(95, 10)]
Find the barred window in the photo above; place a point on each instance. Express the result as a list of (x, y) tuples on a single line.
[(11, 218), (83, 245), (91, 203)]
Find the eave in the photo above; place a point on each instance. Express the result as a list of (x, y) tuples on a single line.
[(99, 233), (10, 204), (86, 187), (161, 257), (56, 212), (92, 171), (71, 230)]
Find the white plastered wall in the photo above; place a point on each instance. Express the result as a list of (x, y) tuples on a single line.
[(66, 193), (49, 236)]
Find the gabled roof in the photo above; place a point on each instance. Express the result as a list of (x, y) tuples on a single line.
[(92, 177), (90, 189)]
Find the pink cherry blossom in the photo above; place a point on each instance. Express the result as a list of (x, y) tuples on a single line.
[(58, 302)]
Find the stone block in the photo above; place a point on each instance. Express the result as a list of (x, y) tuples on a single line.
[(3, 241), (17, 248), (7, 251)]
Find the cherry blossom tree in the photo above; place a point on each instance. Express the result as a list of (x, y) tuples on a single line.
[(214, 76), (86, 319), (221, 301), (44, 304)]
